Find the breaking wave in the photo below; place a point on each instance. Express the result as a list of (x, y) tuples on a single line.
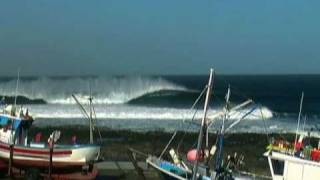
[(137, 112), (106, 90), (141, 118)]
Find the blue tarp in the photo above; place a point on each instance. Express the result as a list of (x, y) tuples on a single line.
[(172, 168), (17, 123), (5, 120)]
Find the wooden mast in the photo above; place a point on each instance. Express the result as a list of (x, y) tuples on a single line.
[(203, 125)]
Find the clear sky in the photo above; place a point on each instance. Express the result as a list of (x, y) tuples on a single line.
[(78, 37)]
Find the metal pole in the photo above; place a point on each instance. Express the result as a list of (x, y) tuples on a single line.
[(91, 126), (12, 126), (17, 87), (203, 126), (299, 117)]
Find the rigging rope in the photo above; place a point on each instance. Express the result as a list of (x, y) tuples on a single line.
[(175, 133)]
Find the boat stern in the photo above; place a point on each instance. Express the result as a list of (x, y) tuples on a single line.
[(276, 165), (86, 153)]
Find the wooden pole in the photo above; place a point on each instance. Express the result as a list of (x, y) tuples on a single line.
[(10, 161), (50, 162)]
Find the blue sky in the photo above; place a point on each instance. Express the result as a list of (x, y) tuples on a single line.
[(65, 37)]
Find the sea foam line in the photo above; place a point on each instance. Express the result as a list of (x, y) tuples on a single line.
[(138, 112)]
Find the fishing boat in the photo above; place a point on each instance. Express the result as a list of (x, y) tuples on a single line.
[(196, 166), (47, 158), (297, 160), (15, 124), (285, 164)]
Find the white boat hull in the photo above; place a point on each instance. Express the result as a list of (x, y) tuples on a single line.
[(63, 157), (288, 167)]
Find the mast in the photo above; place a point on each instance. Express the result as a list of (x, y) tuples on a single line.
[(226, 109), (13, 110), (203, 124), (299, 118), (88, 116), (16, 92), (90, 120), (221, 135)]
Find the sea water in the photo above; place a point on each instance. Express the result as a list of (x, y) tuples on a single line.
[(144, 103)]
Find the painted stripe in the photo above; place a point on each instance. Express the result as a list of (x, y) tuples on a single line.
[(35, 152)]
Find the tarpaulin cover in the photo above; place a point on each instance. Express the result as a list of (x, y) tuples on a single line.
[(3, 120)]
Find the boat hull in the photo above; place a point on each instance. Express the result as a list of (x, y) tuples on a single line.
[(62, 157), (288, 167), (165, 172), (170, 171)]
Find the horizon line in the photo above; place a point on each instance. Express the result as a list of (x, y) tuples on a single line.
[(195, 74)]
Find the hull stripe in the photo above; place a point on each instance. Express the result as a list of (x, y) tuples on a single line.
[(35, 152)]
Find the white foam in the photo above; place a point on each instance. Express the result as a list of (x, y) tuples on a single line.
[(135, 112), (106, 90)]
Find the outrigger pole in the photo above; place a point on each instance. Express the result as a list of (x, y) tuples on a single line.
[(203, 125)]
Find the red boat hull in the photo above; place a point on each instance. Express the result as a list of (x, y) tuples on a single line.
[(39, 158), (3, 166), (22, 164)]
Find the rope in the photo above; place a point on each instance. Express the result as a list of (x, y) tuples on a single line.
[(175, 133), (193, 117), (95, 123), (165, 149)]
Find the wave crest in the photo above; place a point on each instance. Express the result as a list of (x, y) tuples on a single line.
[(106, 90)]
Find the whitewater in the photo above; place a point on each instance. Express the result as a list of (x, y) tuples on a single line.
[(147, 103), (106, 90)]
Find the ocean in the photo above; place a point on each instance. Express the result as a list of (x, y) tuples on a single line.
[(162, 103)]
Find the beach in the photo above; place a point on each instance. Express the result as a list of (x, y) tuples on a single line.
[(115, 144)]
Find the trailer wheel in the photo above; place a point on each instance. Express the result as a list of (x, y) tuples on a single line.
[(32, 174)]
